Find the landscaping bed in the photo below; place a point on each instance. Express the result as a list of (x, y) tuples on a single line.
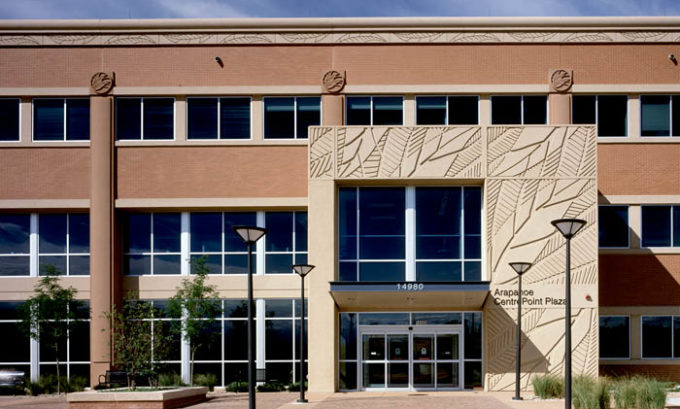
[(147, 399)]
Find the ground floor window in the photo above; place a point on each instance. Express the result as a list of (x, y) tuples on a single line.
[(661, 336), (410, 350), (614, 337)]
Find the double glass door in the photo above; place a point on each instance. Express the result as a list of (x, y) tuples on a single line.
[(410, 360)]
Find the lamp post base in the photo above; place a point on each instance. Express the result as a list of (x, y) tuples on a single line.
[(302, 401), (517, 398)]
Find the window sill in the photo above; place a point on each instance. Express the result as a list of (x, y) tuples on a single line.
[(220, 142), (644, 250), (638, 139)]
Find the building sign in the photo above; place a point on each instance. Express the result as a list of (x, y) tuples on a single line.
[(541, 296)]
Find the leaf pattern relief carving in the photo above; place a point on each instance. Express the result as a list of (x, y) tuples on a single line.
[(321, 141)]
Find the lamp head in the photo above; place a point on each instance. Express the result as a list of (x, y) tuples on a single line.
[(250, 234), (568, 227), (302, 269), (520, 267)]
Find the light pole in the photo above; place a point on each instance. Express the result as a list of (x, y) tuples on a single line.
[(250, 234), (520, 268), (302, 270), (568, 228)]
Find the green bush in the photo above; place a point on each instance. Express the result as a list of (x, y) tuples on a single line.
[(33, 388), (271, 387), (237, 387), (548, 386), (295, 386), (75, 384), (639, 393), (590, 393), (170, 379), (48, 383), (208, 380)]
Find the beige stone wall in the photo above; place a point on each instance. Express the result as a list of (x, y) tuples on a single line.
[(531, 175)]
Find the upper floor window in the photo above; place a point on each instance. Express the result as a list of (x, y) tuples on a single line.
[(15, 246), (285, 241), (519, 109), (59, 119), (614, 337), (9, 119), (218, 118), (289, 117), (374, 244), (375, 110), (452, 110), (145, 118), (608, 112), (64, 243), (660, 226), (660, 337), (660, 115), (613, 226), (151, 243)]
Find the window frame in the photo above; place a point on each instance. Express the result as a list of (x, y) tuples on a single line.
[(642, 339), (521, 109), (295, 116), (630, 334), (294, 318), (151, 253), (219, 117), (403, 111), (32, 246), (64, 116), (68, 253), (19, 119), (446, 117), (628, 241), (671, 97), (597, 114), (670, 227), (141, 122), (294, 252)]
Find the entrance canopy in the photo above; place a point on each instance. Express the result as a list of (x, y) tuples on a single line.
[(409, 295)]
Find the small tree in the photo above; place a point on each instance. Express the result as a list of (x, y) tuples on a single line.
[(198, 306), (50, 313), (136, 340)]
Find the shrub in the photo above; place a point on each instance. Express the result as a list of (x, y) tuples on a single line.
[(170, 379), (548, 386), (208, 380), (75, 384), (639, 393), (33, 388), (295, 387), (590, 393), (237, 387), (271, 387)]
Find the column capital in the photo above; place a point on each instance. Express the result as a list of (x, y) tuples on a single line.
[(561, 80), (102, 83), (333, 81)]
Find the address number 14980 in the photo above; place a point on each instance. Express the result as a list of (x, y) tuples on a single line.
[(410, 286)]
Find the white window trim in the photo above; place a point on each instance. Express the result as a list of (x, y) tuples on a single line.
[(370, 97), (64, 131), (597, 115), (671, 97), (141, 122), (446, 117), (219, 118), (642, 349), (295, 116), (642, 226), (261, 221), (627, 246), (521, 107), (630, 333), (68, 252), (19, 119)]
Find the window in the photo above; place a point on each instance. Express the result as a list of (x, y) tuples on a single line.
[(613, 226), (228, 256), (289, 117), (373, 240), (660, 115), (59, 119), (282, 339), (660, 337), (660, 226), (519, 110), (453, 110), (608, 112), (145, 118), (285, 241), (151, 243), (14, 344), (218, 118), (15, 249), (614, 337), (375, 111), (64, 243), (9, 119)]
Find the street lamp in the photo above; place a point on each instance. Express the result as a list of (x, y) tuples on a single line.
[(520, 268), (250, 234), (302, 270), (568, 228)]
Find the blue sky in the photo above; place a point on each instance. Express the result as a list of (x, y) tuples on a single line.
[(326, 8)]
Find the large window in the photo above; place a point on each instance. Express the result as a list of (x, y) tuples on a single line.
[(608, 112), (519, 110), (59, 119), (15, 347), (614, 337), (374, 244), (145, 118), (660, 226), (15, 246), (9, 119), (289, 117), (452, 110), (151, 243), (223, 256), (282, 339), (660, 115), (218, 118), (64, 243), (285, 241), (613, 226), (375, 110), (660, 337)]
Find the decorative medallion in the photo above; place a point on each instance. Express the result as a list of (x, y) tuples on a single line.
[(333, 81), (561, 80), (102, 83)]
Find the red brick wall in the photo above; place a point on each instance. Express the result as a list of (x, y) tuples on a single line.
[(644, 280)]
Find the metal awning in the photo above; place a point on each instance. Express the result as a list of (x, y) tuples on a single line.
[(409, 295)]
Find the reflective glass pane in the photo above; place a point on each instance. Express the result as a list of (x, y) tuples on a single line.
[(300, 231), (174, 343), (138, 233), (210, 342), (159, 118), (279, 118), (278, 308), (612, 115), (583, 109), (473, 246), (237, 264), (374, 375), (347, 271), (15, 232), (235, 118), (473, 271), (14, 344), (373, 347), (78, 119), (279, 235), (348, 375), (48, 262), (535, 109), (423, 375), (676, 226), (128, 118), (166, 265), (473, 374), (397, 347), (463, 110), (236, 308), (52, 231), (47, 348), (206, 232), (358, 111), (232, 241), (14, 266), (79, 341), (656, 226), (212, 262), (298, 330), (202, 118), (278, 264), (473, 335), (209, 368), (9, 119), (347, 224), (389, 318), (472, 198), (447, 375), (438, 217), (280, 372), (506, 110), (79, 265), (9, 310), (438, 271), (431, 110), (437, 318), (137, 265), (397, 375), (657, 337), (279, 339), (235, 372), (423, 347), (298, 313), (382, 271), (382, 223), (614, 337), (656, 115), (235, 340), (613, 226), (447, 346), (676, 337), (676, 115), (308, 114), (79, 232), (348, 336), (166, 232), (388, 111), (300, 258), (48, 119)]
